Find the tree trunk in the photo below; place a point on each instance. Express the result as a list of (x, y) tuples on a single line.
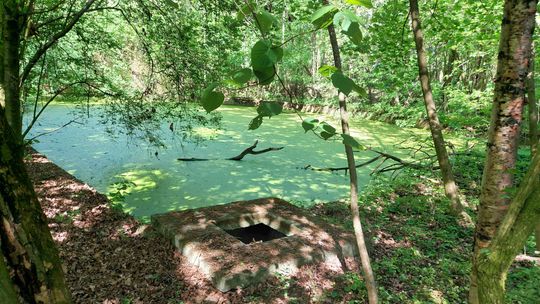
[(369, 277), (533, 109), (518, 224), (509, 98), (450, 187), (448, 77), (11, 64), (2, 26), (533, 124), (25, 241), (7, 292)]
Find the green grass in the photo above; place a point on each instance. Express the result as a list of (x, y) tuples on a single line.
[(420, 253)]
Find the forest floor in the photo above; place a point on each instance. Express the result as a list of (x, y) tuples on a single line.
[(420, 254)]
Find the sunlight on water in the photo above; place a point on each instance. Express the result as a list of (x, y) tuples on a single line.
[(161, 184)]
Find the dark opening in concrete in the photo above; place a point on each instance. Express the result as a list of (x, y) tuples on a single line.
[(255, 233)]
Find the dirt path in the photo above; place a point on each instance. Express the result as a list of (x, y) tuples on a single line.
[(111, 258)]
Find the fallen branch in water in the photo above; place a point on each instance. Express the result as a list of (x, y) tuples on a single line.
[(248, 150), (397, 164)]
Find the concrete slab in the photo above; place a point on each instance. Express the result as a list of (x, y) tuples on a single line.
[(200, 235)]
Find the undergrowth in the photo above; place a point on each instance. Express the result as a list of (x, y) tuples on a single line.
[(419, 252)]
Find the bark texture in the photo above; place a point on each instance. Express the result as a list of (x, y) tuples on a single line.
[(509, 99), (11, 32), (7, 292), (533, 124), (2, 26), (450, 187), (369, 277), (533, 107), (492, 263), (25, 241)]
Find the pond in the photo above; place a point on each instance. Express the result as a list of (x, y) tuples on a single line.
[(157, 184)]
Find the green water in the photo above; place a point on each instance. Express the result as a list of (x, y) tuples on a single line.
[(162, 183)]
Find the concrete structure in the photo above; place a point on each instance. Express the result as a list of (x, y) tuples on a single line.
[(280, 238)]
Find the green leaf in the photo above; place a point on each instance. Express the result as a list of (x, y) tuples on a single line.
[(354, 33), (325, 135), (328, 128), (327, 70), (310, 124), (352, 142), (265, 21), (350, 25), (359, 90), (255, 123), (245, 10), (345, 16), (242, 76), (210, 99), (265, 76), (322, 18), (264, 55), (365, 3), (172, 4), (343, 83), (269, 109)]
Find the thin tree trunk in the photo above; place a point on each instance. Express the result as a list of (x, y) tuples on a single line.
[(537, 238), (314, 56), (25, 241), (450, 187), (509, 99), (448, 77), (533, 124), (369, 277)]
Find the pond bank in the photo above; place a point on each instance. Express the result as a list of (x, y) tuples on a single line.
[(318, 109), (110, 257)]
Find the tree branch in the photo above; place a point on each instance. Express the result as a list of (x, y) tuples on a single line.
[(248, 150), (44, 48)]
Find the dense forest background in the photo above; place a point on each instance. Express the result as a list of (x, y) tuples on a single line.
[(169, 53)]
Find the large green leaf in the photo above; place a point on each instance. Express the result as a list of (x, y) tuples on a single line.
[(241, 76), (322, 18), (269, 109), (354, 33), (211, 99), (264, 55), (349, 24), (310, 124), (328, 131), (352, 142), (265, 21), (365, 3), (266, 75), (343, 83), (255, 123), (327, 70)]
